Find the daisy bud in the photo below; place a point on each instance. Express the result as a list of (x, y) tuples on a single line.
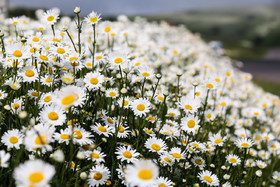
[(223, 150), (83, 175), (195, 83), (263, 183), (165, 93), (81, 155), (32, 121), (244, 172), (226, 176), (118, 76), (22, 114), (77, 10), (223, 167), (259, 173), (123, 90), (102, 89), (184, 180), (158, 76), (7, 107), (104, 140), (212, 165), (23, 40), (196, 185), (92, 146), (58, 156), (179, 74)]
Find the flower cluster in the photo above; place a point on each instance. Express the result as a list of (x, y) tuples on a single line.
[(128, 103)]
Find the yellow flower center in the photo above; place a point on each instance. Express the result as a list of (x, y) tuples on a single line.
[(94, 155), (68, 100), (156, 147), (209, 85), (146, 74), (43, 57), (172, 114), (218, 141), (35, 39), (176, 155), (47, 99), (40, 140), (107, 29), (208, 116), (145, 174), (198, 162), (141, 107), (34, 94), (65, 136), (188, 107), (232, 160), (162, 185), (110, 120), (98, 57), (160, 98), (102, 129), (36, 177), (94, 81), (53, 116), (93, 19), (191, 123), (112, 94), (29, 73), (78, 134), (50, 18), (245, 145), (60, 50), (208, 179), (17, 53), (16, 106), (118, 60), (97, 176), (14, 140), (127, 154), (121, 129)]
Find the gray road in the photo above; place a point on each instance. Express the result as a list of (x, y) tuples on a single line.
[(264, 69)]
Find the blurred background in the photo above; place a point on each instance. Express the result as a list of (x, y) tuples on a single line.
[(248, 30)]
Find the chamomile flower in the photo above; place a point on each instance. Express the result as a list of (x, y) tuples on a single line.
[(34, 173), (50, 17), (155, 145), (104, 130), (63, 136), (190, 124), (93, 18), (112, 92), (244, 143), (98, 175), (29, 74), (173, 112), (276, 175), (198, 162), (124, 102), (70, 96), (81, 136), (260, 164), (176, 153), (93, 81), (40, 136), (12, 138), (163, 182), (188, 104), (52, 115), (233, 159), (117, 59), (127, 154), (95, 155), (208, 178), (140, 106), (67, 78), (3, 95), (46, 99), (142, 174), (217, 139)]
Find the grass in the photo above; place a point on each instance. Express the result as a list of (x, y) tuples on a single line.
[(268, 86)]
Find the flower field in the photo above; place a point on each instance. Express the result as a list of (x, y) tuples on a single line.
[(88, 102)]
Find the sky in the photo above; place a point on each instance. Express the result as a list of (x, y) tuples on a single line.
[(135, 7)]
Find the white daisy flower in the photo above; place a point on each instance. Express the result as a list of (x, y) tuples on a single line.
[(190, 124), (93, 18), (155, 145), (233, 159), (93, 81), (98, 175), (70, 96), (34, 173), (50, 17), (127, 154), (95, 155), (140, 106), (244, 143), (53, 115), (12, 138), (208, 178), (4, 158), (142, 174)]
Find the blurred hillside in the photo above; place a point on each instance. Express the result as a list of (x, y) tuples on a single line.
[(246, 32)]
